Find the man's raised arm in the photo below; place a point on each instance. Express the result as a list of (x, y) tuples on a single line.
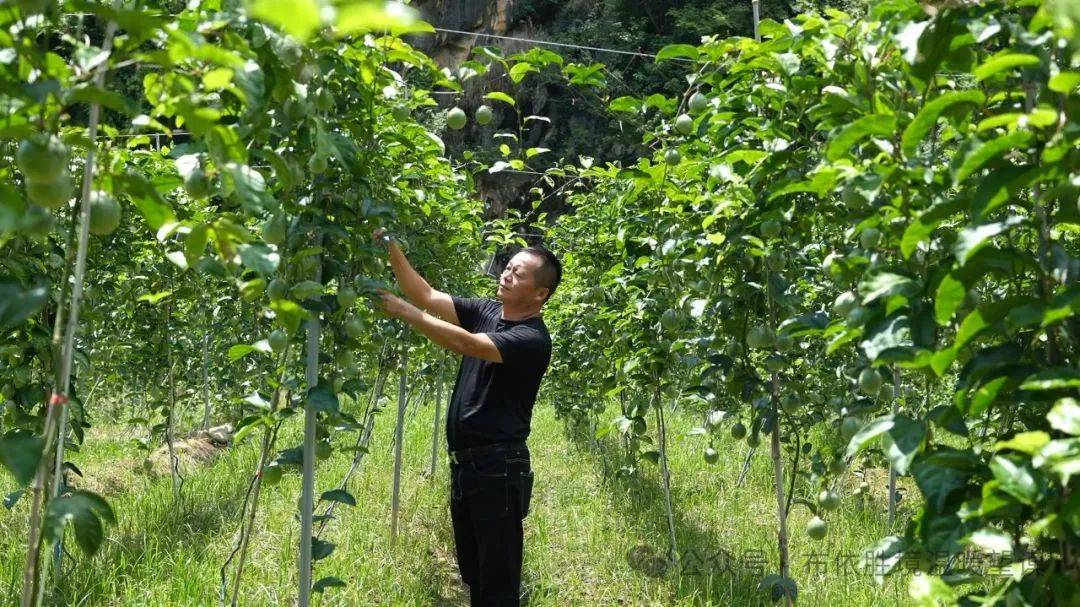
[(416, 289)]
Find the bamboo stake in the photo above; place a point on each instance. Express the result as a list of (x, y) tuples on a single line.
[(757, 19), (395, 503), (170, 419), (664, 472), (56, 417), (435, 425), (268, 440), (206, 377), (892, 469), (307, 499)]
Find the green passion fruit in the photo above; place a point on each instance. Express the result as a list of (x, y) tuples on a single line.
[(844, 303), (828, 500), (870, 381), (870, 238), (760, 337), (277, 289), (51, 194), (698, 103), (849, 426), (346, 297), (354, 327), (684, 124), (105, 213), (770, 228), (670, 320), (42, 158), (484, 115), (197, 184), (276, 229), (278, 340), (456, 118), (318, 164)]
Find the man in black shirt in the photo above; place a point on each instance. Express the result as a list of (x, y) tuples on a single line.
[(505, 348)]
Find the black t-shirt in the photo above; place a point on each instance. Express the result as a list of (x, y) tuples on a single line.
[(493, 402)]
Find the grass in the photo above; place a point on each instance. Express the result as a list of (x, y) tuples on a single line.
[(592, 539)]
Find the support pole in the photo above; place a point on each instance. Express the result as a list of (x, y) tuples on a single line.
[(307, 498), (757, 19), (435, 424), (395, 503)]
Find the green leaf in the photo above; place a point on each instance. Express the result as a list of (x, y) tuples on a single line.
[(249, 187), (1003, 61), (21, 454), (259, 257), (327, 582), (154, 298), (1064, 82), (949, 297), (298, 18), (678, 51), (154, 209), (852, 134), (239, 351), (973, 157), (903, 441), (320, 549), (930, 113), (322, 398), (1025, 442), (1018, 480), (1060, 378), (1062, 306), (306, 289), (892, 333), (867, 433), (1065, 416), (340, 496), (500, 96), (288, 314), (975, 237), (925, 224), (18, 303), (985, 395), (887, 284), (88, 93), (940, 473), (630, 105), (520, 70), (195, 243), (990, 540), (359, 16), (86, 512)]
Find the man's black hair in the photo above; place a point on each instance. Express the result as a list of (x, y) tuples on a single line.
[(550, 272)]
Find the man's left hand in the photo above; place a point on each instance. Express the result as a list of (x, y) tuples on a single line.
[(397, 307)]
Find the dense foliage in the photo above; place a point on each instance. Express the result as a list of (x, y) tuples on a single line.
[(868, 225), (856, 239)]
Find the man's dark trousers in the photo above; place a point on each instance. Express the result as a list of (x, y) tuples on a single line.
[(489, 497)]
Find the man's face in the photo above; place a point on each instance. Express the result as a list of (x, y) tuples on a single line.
[(517, 285)]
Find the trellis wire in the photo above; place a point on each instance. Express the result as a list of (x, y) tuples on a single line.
[(558, 44)]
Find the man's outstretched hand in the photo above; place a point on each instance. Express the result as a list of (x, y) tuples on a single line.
[(397, 307), (380, 237)]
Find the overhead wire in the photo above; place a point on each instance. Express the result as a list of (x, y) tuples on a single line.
[(558, 44)]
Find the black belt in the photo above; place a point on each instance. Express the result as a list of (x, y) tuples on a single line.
[(465, 455)]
